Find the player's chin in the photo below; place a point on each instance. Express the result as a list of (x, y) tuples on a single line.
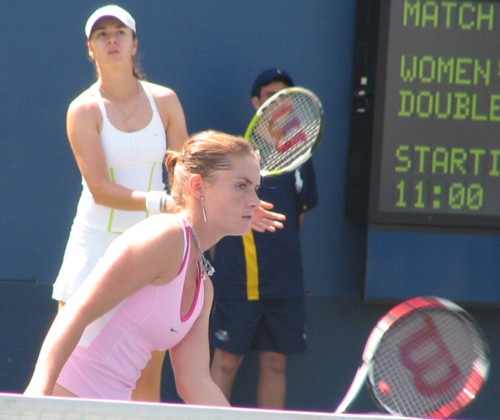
[(243, 227)]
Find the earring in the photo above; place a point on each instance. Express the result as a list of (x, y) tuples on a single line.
[(203, 210)]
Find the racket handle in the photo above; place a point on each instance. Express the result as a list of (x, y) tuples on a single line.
[(357, 384)]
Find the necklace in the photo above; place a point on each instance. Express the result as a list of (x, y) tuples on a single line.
[(125, 117), (207, 267)]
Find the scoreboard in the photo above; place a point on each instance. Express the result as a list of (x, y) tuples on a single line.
[(435, 158)]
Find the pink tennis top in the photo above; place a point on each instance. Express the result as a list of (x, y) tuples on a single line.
[(115, 348)]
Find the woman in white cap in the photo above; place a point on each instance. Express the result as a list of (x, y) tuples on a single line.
[(119, 130)]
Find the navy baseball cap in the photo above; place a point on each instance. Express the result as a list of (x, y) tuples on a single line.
[(269, 76)]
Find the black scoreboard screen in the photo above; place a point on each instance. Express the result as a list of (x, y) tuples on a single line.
[(436, 132)]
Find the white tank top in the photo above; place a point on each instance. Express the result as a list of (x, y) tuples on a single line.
[(134, 161)]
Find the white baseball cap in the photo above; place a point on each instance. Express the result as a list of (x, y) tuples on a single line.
[(109, 11)]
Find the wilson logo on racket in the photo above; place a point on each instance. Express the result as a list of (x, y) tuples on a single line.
[(286, 130), (429, 359), (281, 132), (425, 358)]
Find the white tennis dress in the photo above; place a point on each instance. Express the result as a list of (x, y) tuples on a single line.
[(134, 161)]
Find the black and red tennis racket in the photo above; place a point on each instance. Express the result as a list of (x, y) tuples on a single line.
[(286, 129), (425, 358)]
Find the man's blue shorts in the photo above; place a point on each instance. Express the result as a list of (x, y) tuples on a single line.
[(276, 325)]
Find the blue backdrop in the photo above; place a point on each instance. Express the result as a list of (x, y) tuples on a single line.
[(209, 52)]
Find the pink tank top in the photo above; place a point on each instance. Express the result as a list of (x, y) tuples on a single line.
[(115, 348)]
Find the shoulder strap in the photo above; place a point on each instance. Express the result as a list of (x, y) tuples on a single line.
[(100, 100), (187, 243)]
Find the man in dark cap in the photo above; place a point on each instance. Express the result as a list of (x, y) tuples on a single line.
[(259, 288)]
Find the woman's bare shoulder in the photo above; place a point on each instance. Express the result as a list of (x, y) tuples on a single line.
[(160, 91), (159, 227), (85, 102), (157, 241)]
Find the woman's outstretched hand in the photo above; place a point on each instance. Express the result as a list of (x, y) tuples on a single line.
[(264, 219)]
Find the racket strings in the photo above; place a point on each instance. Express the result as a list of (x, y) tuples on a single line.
[(425, 362), (287, 130)]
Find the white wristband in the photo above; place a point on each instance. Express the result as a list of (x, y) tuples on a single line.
[(156, 201)]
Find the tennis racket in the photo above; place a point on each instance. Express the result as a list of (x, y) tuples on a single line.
[(286, 130), (425, 358)]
